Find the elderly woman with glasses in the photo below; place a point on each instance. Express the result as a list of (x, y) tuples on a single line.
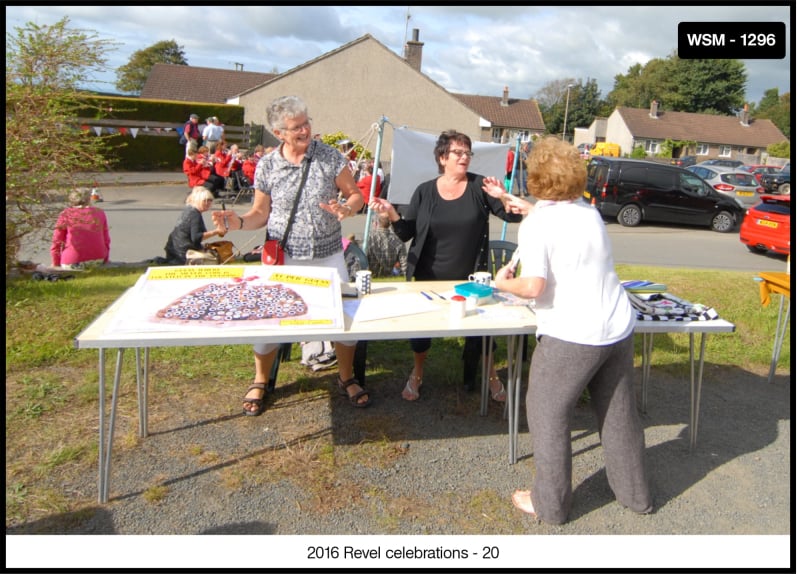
[(447, 222), (315, 236), (190, 229)]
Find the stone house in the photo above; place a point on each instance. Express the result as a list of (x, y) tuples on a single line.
[(710, 136)]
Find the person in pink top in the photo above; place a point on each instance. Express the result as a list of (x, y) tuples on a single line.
[(81, 235)]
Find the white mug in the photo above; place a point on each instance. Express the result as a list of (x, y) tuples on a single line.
[(364, 282), (481, 277)]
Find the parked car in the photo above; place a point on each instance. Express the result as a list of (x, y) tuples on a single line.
[(684, 160), (633, 191), (759, 170), (780, 182), (732, 182), (724, 162), (768, 225)]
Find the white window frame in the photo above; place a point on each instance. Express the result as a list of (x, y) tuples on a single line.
[(725, 151), (702, 149), (651, 146), (497, 135)]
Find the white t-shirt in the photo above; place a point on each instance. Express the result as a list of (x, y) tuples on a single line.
[(583, 301)]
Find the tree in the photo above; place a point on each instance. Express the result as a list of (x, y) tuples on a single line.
[(45, 150), (584, 104), (132, 76), (697, 86), (776, 108)]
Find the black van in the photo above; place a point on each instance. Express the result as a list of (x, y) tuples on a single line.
[(633, 191)]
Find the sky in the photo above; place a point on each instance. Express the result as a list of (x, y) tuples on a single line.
[(467, 49)]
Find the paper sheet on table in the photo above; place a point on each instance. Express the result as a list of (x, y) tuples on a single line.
[(372, 308)]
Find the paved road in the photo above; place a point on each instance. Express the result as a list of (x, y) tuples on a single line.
[(142, 209)]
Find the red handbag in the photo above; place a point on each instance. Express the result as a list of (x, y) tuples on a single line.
[(272, 253)]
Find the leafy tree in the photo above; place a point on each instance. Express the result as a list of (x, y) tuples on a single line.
[(584, 104), (132, 76), (45, 151), (697, 86), (776, 108)]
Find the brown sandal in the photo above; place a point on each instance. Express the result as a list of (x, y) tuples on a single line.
[(344, 385), (259, 403)]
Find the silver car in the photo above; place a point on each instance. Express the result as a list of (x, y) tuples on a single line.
[(740, 185)]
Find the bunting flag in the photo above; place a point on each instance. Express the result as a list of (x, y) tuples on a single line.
[(123, 131)]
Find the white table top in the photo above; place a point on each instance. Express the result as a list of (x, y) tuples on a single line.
[(493, 319)]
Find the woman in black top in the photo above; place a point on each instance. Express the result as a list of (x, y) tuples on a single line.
[(190, 229), (447, 222)]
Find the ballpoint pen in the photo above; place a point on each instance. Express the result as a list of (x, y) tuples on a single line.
[(224, 217), (428, 297), (435, 293)]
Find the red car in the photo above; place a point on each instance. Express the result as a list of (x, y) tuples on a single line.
[(759, 170), (767, 226)]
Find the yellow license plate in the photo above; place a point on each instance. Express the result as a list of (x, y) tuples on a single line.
[(745, 193), (766, 223), (587, 195)]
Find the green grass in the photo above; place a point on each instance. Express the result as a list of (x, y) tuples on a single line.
[(52, 398)]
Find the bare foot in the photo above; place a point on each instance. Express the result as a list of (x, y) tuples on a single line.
[(522, 500)]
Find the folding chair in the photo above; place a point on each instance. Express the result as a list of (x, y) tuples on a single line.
[(360, 359), (242, 186), (500, 253)]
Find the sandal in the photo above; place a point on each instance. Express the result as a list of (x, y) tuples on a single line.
[(500, 394), (344, 385), (259, 403), (411, 390), (521, 499)]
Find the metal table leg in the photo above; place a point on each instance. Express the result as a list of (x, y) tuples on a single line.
[(696, 382), (486, 343), (141, 388), (780, 333), (516, 347), (647, 355), (107, 435)]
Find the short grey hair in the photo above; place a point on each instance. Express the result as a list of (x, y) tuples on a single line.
[(284, 108), (80, 196)]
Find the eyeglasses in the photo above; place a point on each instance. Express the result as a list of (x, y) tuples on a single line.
[(298, 129), (461, 152)]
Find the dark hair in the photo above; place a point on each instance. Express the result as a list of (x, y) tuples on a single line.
[(442, 147)]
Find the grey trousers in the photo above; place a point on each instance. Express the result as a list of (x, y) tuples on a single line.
[(559, 372)]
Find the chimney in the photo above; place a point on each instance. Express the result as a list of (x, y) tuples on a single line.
[(654, 109), (745, 116), (504, 101), (413, 53)]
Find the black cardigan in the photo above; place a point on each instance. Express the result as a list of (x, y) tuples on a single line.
[(417, 220)]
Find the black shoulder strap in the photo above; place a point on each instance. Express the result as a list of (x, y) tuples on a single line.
[(296, 201)]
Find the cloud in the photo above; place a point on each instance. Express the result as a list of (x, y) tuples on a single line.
[(467, 49)]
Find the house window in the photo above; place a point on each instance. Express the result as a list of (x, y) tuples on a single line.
[(702, 149), (497, 135), (651, 147), (525, 135), (724, 151)]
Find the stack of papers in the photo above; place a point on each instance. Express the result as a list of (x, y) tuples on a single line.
[(640, 286)]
